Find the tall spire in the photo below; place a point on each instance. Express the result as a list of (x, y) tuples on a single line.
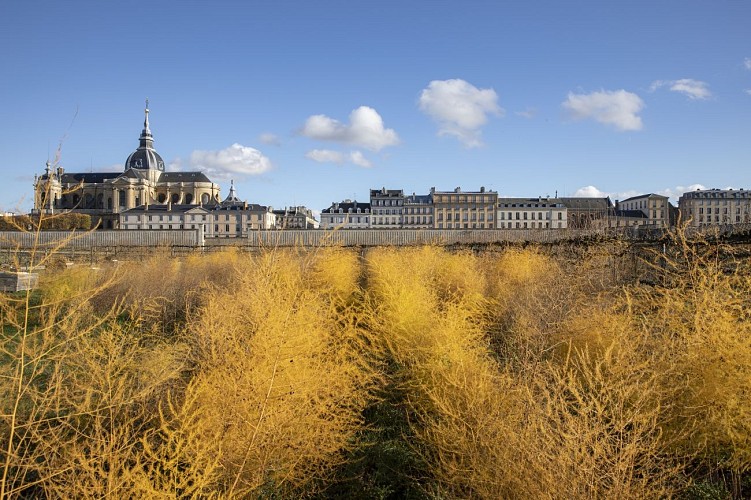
[(232, 189), (146, 119), (146, 140)]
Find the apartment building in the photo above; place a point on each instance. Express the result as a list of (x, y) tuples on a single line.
[(166, 217), (531, 213), (417, 212), (299, 217), (387, 206), (705, 207), (644, 210), (459, 209), (347, 214)]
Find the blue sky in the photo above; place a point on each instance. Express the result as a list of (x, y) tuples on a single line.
[(312, 102)]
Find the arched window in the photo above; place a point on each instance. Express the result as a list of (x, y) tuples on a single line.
[(161, 198), (100, 201), (175, 198), (121, 197), (189, 198), (109, 203), (204, 198)]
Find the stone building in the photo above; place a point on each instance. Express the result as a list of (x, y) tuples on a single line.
[(103, 195), (418, 211), (299, 217), (588, 213), (705, 207), (532, 213), (387, 206), (232, 218), (644, 210), (346, 215), (459, 209)]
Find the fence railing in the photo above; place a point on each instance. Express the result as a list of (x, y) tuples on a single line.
[(318, 237)]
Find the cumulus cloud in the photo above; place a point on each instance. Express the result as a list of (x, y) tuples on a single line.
[(675, 192), (270, 139), (618, 108), (235, 160), (590, 192), (365, 129), (338, 158), (459, 108), (693, 89)]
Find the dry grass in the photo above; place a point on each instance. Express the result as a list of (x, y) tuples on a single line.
[(522, 375)]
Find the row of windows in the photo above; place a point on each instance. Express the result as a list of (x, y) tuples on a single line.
[(387, 203), (465, 217), (524, 215), (530, 205), (465, 225), (724, 210), (532, 225), (725, 219), (463, 198), (734, 194), (411, 219)]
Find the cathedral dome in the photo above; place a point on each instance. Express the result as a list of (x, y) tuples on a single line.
[(145, 157)]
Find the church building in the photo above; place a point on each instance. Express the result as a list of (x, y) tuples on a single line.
[(105, 195)]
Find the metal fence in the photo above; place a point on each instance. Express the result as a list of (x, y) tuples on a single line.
[(97, 239)]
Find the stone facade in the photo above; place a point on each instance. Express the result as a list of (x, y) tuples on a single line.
[(459, 209), (715, 207), (346, 215), (532, 213)]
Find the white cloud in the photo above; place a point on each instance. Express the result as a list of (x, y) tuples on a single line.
[(747, 63), (459, 108), (693, 89), (528, 113), (325, 156), (365, 129), (270, 139), (617, 108), (338, 158), (358, 159), (590, 192), (675, 192), (748, 91), (236, 160)]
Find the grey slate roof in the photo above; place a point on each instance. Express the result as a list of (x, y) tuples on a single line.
[(347, 207), (636, 214), (587, 203), (643, 196), (183, 177), (91, 177)]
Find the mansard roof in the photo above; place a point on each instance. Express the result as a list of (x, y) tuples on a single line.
[(89, 177), (581, 203), (183, 177)]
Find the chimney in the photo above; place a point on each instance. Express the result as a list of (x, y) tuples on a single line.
[(482, 189)]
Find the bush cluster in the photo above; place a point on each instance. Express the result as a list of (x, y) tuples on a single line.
[(398, 372)]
